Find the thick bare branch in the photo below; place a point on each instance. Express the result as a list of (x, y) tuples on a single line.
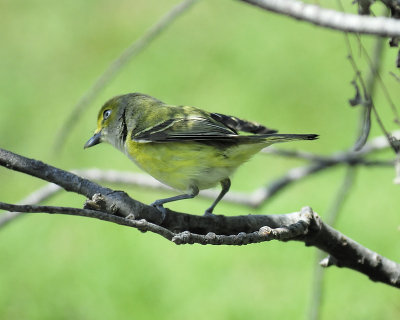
[(303, 226), (183, 228), (74, 183), (380, 26)]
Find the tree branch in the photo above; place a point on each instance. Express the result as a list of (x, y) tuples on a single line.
[(74, 183), (35, 197), (182, 228), (303, 226), (142, 225), (365, 121), (327, 18)]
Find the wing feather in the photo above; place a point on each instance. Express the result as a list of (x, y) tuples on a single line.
[(195, 128)]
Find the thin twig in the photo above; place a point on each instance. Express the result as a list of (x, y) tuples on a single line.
[(134, 49), (365, 124), (142, 225), (364, 130), (395, 76), (373, 63), (368, 101), (341, 197), (365, 121), (35, 197)]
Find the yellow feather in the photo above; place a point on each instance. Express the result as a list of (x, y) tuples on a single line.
[(183, 164)]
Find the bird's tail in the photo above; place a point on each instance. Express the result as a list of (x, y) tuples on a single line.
[(277, 137)]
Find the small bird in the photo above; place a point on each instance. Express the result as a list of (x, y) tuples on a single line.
[(184, 147)]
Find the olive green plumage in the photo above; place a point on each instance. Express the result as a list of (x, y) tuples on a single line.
[(184, 147)]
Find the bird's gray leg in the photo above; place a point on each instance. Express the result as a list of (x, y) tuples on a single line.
[(225, 184), (159, 203)]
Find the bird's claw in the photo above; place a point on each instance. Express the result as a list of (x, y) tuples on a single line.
[(160, 208), (208, 214)]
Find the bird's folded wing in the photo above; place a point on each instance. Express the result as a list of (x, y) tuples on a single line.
[(183, 129), (237, 124)]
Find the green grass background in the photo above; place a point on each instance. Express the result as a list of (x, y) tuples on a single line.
[(223, 56)]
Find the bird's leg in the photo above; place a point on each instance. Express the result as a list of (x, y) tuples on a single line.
[(159, 203), (225, 184)]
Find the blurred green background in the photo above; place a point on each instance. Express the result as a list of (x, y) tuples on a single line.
[(223, 56)]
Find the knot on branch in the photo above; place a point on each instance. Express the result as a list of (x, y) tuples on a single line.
[(119, 203), (98, 202), (142, 225), (309, 217), (184, 237), (284, 233), (314, 223)]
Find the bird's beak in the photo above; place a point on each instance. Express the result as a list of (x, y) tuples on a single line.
[(96, 139)]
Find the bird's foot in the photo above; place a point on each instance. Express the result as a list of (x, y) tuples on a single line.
[(156, 204), (208, 213)]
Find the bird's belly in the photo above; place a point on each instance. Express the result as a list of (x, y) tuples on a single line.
[(181, 165)]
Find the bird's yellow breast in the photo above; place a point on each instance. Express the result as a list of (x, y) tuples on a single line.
[(181, 165)]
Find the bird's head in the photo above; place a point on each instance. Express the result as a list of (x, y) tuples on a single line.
[(121, 115), (109, 122)]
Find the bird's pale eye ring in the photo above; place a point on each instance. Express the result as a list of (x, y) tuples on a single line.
[(106, 114)]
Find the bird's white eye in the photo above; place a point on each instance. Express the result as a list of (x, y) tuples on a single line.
[(106, 114)]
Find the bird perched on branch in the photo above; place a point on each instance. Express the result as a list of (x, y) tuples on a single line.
[(184, 147)]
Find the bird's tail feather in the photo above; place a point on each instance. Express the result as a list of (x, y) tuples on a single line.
[(277, 137)]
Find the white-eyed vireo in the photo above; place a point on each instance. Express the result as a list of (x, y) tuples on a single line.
[(186, 148)]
